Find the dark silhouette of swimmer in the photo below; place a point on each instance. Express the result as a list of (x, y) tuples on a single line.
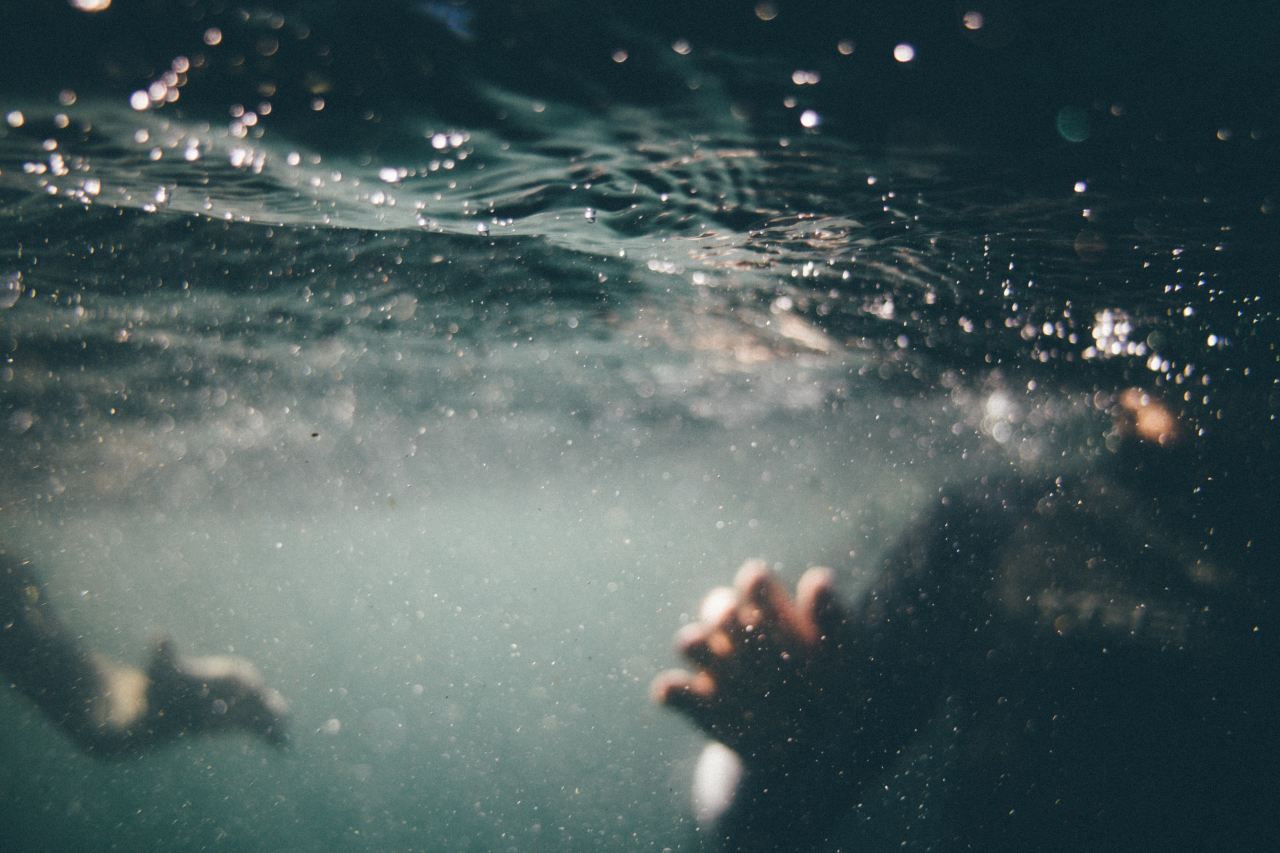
[(1081, 677), (112, 709)]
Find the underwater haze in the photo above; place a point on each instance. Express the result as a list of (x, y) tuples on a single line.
[(438, 357)]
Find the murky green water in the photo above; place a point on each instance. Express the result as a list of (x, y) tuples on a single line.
[(445, 406)]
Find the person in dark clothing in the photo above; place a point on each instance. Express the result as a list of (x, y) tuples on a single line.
[(1092, 680)]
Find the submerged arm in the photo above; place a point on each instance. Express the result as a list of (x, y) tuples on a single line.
[(110, 708)]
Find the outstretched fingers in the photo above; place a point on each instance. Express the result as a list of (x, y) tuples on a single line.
[(704, 646), (818, 604), (691, 694)]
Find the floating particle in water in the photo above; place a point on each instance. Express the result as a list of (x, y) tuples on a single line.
[(904, 53), (91, 5), (10, 289), (21, 421), (766, 11), (482, 228), (589, 214), (15, 118), (389, 174), (972, 20), (810, 119), (620, 56), (213, 37), (1081, 186), (844, 47), (1073, 124), (805, 78), (682, 47)]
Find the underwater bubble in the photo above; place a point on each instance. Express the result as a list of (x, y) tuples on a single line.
[(10, 289), (1073, 124)]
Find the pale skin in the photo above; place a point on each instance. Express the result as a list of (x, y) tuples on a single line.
[(110, 708)]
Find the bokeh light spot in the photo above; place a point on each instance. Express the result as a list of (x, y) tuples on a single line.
[(1073, 124)]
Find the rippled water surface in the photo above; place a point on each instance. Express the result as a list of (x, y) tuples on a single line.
[(438, 356)]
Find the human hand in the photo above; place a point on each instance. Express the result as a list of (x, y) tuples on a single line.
[(773, 675), (190, 695)]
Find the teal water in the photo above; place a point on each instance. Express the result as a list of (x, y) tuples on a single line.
[(447, 418)]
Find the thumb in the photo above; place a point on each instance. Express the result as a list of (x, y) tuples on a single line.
[(164, 656)]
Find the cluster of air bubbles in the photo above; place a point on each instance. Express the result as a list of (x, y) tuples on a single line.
[(58, 165), (249, 159), (164, 89), (244, 120), (1112, 328), (447, 141)]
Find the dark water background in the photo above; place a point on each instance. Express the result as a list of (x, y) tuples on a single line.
[(438, 356)]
